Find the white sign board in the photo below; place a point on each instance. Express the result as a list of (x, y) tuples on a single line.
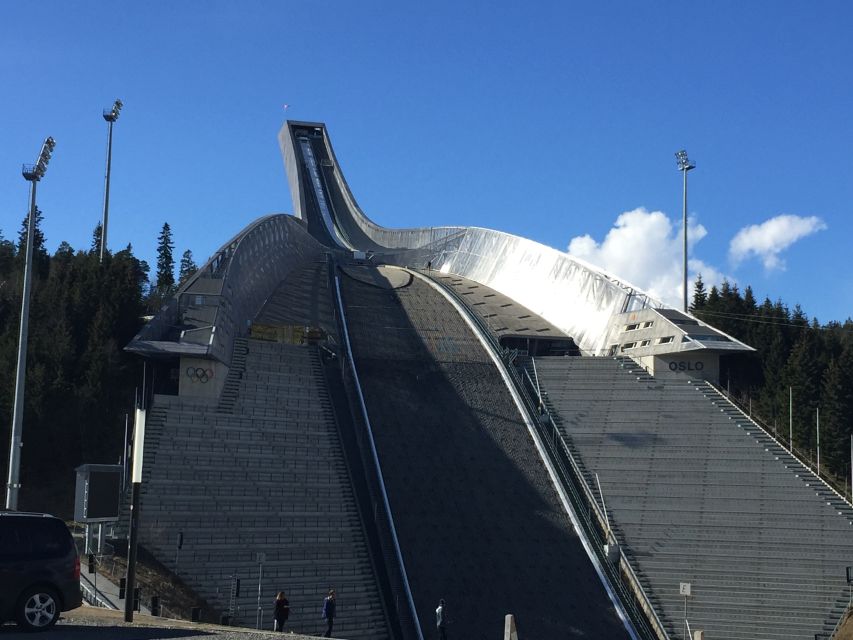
[(684, 589)]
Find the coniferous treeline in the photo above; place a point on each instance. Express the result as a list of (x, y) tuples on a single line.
[(79, 381), (798, 363)]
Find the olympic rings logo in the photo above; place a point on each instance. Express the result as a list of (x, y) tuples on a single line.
[(199, 374)]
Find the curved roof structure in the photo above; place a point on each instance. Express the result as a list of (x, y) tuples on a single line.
[(582, 300)]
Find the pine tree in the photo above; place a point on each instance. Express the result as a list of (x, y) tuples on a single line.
[(38, 236), (188, 266), (7, 256), (836, 415), (700, 295), (803, 373), (40, 259), (97, 232), (165, 261)]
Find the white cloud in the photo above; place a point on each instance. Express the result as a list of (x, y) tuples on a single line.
[(645, 248), (768, 239)]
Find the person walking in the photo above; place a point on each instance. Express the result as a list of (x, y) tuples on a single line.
[(281, 611), (329, 612), (441, 620)]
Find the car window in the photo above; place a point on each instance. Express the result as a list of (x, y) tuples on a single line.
[(22, 537), (8, 539)]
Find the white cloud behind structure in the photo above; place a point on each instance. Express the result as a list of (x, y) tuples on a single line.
[(645, 248), (770, 238)]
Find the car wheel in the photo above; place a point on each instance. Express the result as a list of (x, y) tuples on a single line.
[(38, 609)]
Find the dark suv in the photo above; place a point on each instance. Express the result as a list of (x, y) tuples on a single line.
[(39, 569)]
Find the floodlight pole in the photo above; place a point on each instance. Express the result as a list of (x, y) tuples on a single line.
[(32, 174), (684, 223), (14, 484), (684, 165), (110, 116)]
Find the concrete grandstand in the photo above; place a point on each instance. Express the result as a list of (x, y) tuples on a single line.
[(458, 413)]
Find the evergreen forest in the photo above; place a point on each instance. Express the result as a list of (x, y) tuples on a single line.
[(80, 384)]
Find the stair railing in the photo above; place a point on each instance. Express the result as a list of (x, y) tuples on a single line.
[(406, 612), (795, 453), (632, 595)]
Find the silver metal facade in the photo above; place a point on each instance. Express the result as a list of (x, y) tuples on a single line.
[(577, 297), (229, 290)]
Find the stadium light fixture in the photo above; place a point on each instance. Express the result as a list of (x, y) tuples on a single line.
[(32, 173), (35, 172), (684, 165), (110, 116)]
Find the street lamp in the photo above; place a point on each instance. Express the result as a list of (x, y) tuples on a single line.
[(684, 165), (110, 116), (32, 173)]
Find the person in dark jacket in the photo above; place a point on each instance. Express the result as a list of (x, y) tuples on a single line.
[(441, 620), (281, 611), (329, 612)]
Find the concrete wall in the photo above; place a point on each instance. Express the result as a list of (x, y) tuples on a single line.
[(689, 365)]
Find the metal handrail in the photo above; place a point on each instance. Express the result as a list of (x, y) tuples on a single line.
[(194, 329), (575, 477), (95, 596), (375, 458), (572, 481), (795, 453)]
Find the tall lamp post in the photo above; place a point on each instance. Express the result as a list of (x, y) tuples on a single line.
[(110, 116), (32, 174), (684, 165), (136, 485)]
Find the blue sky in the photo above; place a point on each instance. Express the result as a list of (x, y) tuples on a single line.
[(556, 121)]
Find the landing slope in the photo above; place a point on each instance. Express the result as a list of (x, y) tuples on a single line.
[(479, 521)]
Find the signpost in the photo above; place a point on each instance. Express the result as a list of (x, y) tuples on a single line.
[(262, 557), (685, 589)]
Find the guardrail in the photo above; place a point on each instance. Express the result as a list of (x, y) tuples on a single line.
[(404, 606), (797, 454), (594, 522), (93, 595)]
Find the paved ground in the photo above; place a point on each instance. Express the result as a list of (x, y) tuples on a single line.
[(89, 623)]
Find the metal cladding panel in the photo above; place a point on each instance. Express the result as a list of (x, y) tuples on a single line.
[(578, 301), (575, 296), (250, 266), (275, 246)]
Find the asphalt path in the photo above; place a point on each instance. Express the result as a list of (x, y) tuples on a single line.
[(89, 623)]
